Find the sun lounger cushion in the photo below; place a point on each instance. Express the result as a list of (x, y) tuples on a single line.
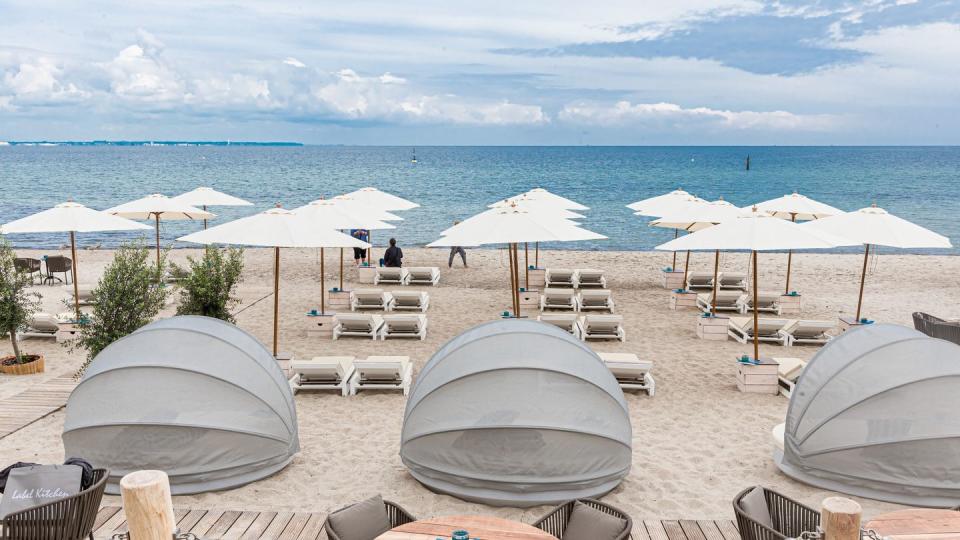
[(790, 368), (754, 504), (44, 322), (365, 520), (588, 523)]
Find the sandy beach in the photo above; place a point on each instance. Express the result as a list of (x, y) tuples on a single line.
[(695, 444)]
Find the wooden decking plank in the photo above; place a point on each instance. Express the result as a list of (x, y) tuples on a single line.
[(107, 527), (674, 530), (639, 532), (259, 525), (223, 524), (103, 515), (313, 528), (655, 530), (292, 530), (729, 530), (277, 525), (202, 526), (240, 526), (692, 529), (22, 409), (191, 519), (710, 530)]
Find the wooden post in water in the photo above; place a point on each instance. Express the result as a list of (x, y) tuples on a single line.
[(840, 519), (748, 162), (147, 505)]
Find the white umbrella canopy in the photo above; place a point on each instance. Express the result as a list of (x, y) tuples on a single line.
[(875, 226), (71, 217), (206, 196), (276, 228), (537, 205), (797, 207), (546, 197), (755, 231), (381, 199), (155, 207), (652, 206)]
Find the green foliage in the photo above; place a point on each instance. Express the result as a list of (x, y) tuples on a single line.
[(17, 303), (208, 287), (129, 295)]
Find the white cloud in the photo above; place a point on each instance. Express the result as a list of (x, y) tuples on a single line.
[(236, 90), (39, 81), (139, 73), (291, 61), (626, 113)]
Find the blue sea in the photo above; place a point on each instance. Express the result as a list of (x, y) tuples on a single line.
[(920, 184)]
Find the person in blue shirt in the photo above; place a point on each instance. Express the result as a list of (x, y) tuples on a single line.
[(360, 254)]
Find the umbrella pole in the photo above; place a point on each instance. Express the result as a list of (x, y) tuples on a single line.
[(159, 268), (516, 271), (526, 265), (513, 304), (323, 285), (341, 269), (204, 219), (76, 287), (685, 265), (673, 267), (716, 268), (276, 299), (793, 218), (536, 261), (756, 323), (863, 277)]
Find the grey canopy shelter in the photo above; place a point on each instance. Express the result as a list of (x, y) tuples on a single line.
[(195, 397), (875, 414), (516, 413)]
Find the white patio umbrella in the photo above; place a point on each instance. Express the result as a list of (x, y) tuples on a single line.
[(796, 207), (542, 195), (276, 228), (73, 218), (381, 199), (155, 207), (371, 205), (512, 226), (339, 216), (206, 196), (661, 205), (755, 231), (875, 226)]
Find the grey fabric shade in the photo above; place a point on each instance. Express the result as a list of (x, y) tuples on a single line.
[(195, 397), (517, 413), (875, 414)]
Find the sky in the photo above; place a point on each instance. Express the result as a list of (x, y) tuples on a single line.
[(424, 72)]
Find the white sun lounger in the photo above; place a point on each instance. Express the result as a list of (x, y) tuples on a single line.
[(741, 329), (733, 281), (788, 371), (85, 293), (382, 373), (391, 274), (423, 275), (561, 277), (602, 327), (588, 277), (806, 332), (568, 322), (565, 299), (410, 301), (41, 325), (357, 325), (376, 299), (768, 302), (631, 372), (726, 301), (322, 373), (596, 300), (405, 325), (699, 281)]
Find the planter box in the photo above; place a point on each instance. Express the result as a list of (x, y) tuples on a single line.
[(530, 300), (22, 369), (848, 323), (366, 274), (673, 280), (320, 326), (538, 279), (758, 379), (681, 300), (283, 360), (339, 299), (712, 328), (790, 303)]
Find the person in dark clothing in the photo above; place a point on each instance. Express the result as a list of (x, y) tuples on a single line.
[(393, 255)]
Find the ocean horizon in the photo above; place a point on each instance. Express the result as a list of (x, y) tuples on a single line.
[(917, 183)]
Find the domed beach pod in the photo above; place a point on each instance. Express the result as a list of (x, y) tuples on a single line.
[(517, 413), (876, 413), (195, 397)]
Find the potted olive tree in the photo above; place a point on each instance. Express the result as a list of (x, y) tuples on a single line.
[(17, 307)]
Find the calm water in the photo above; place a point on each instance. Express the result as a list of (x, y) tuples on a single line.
[(918, 183)]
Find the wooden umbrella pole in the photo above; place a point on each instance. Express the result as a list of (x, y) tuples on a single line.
[(685, 265), (276, 299), (341, 269), (526, 265), (863, 277), (159, 268), (323, 284), (513, 283), (756, 322), (673, 267), (536, 260), (793, 218), (516, 291), (716, 269), (76, 287), (204, 219)]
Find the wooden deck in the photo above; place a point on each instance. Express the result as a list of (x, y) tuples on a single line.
[(25, 408), (237, 525)]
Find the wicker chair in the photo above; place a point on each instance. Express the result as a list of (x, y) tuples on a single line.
[(28, 266), (789, 517), (71, 518), (395, 513), (555, 522), (58, 264), (937, 327)]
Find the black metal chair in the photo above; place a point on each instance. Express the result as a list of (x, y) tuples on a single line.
[(28, 266), (937, 327), (789, 518), (71, 518), (555, 522), (58, 264), (395, 513)]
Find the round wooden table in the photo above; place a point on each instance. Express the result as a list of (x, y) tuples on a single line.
[(483, 527), (917, 524)]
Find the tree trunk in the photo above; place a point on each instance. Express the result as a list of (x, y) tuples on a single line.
[(13, 341)]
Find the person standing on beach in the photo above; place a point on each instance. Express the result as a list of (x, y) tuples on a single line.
[(360, 254), (457, 249), (394, 255)]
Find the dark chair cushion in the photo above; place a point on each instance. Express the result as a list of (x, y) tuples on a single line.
[(365, 520), (587, 523), (754, 505)]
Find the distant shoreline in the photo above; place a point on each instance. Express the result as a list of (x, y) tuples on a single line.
[(149, 143)]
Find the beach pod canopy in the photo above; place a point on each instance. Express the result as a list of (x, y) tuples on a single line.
[(195, 397), (876, 413), (517, 413)]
